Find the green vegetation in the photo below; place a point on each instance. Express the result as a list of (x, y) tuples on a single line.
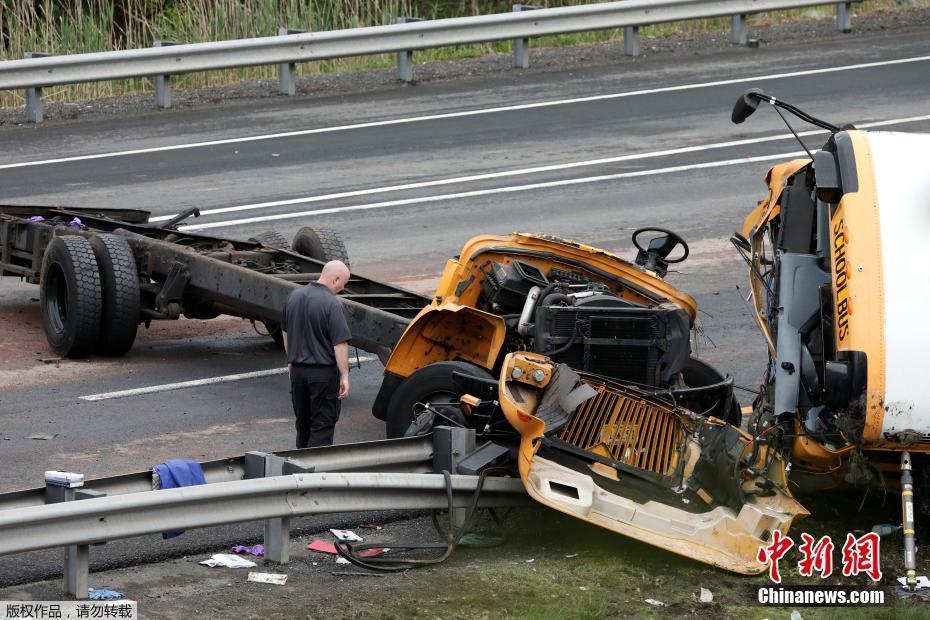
[(74, 26)]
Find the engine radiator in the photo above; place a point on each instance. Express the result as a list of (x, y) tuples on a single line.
[(634, 431)]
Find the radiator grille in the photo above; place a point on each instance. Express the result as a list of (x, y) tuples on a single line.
[(634, 431)]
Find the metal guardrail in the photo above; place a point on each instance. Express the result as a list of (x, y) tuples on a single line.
[(122, 516), (295, 46), (408, 455), (368, 476)]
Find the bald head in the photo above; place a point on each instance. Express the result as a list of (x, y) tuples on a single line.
[(334, 276)]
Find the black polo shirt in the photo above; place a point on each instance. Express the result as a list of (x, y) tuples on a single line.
[(314, 321)]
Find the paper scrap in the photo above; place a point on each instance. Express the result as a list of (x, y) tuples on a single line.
[(655, 603), (346, 535), (275, 578), (706, 596), (228, 560)]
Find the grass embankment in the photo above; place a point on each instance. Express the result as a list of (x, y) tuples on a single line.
[(74, 26)]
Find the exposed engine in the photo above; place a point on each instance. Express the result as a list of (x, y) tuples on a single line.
[(582, 323)]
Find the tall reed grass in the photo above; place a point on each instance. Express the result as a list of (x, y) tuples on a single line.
[(75, 26)]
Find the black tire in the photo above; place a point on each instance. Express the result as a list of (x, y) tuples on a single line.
[(432, 381), (119, 282), (271, 239), (322, 244), (275, 331), (69, 295)]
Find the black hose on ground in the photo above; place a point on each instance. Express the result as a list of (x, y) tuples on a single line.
[(453, 537)]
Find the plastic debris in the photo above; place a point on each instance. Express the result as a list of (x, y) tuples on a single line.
[(43, 436), (571, 555), (103, 594), (321, 546), (228, 561), (76, 223), (796, 615), (342, 560), (655, 603), (36, 218), (531, 560), (706, 596), (346, 535), (922, 582), (256, 550), (275, 578)]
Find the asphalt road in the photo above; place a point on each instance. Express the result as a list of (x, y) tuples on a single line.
[(589, 153)]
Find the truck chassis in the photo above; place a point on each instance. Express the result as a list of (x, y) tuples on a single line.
[(102, 272)]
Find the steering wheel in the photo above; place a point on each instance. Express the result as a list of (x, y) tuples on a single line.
[(662, 247)]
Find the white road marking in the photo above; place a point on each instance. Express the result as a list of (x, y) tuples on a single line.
[(496, 190), (168, 387), (465, 113), (526, 171)]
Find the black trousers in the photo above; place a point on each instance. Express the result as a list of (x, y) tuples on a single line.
[(315, 394)]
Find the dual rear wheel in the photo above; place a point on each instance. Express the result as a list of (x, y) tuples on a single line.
[(89, 295)]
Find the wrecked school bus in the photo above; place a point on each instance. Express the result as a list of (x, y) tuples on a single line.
[(580, 362)]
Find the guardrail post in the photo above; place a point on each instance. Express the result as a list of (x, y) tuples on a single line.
[(287, 80), (76, 557), (631, 40), (277, 531), (451, 445), (738, 29), (844, 16), (405, 57), (521, 47), (163, 82), (34, 95)]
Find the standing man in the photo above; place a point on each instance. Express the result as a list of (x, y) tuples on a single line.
[(316, 340)]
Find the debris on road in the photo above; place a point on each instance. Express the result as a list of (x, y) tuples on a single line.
[(370, 526), (103, 594), (273, 578), (922, 582), (43, 436), (346, 535), (256, 550), (227, 560), (706, 596), (321, 546)]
